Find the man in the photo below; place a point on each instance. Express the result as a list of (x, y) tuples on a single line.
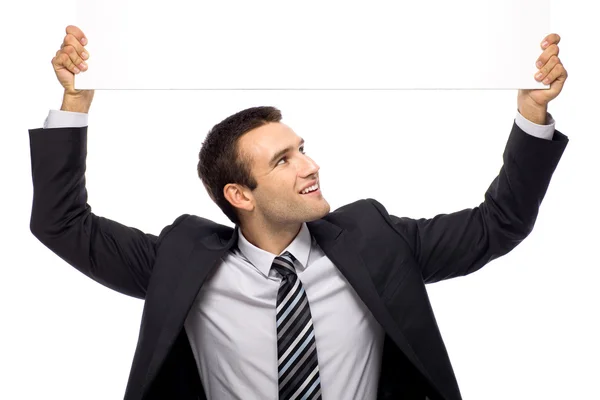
[(295, 302)]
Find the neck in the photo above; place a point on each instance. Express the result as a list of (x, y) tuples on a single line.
[(270, 238)]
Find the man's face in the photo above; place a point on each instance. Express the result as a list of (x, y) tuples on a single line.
[(282, 171)]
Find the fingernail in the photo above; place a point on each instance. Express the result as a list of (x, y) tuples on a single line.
[(76, 70), (538, 64), (545, 44), (83, 40), (84, 55), (538, 75), (82, 66), (546, 81)]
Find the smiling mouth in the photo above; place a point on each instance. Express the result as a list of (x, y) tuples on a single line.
[(311, 189)]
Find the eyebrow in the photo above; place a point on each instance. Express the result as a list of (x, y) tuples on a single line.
[(281, 152)]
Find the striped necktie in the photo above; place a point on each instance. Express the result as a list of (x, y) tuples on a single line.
[(296, 348)]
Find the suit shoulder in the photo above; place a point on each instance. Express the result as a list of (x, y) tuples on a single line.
[(357, 212), (357, 206), (193, 225), (349, 208), (365, 212)]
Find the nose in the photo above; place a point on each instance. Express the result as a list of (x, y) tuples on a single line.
[(309, 166)]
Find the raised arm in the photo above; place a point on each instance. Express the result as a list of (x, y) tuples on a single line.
[(459, 243), (115, 255)]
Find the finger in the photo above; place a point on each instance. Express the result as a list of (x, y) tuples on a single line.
[(552, 38), (72, 40), (553, 50), (74, 57), (78, 33), (543, 73), (63, 60), (76, 51), (558, 74)]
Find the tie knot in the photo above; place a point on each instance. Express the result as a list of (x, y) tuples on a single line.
[(284, 264)]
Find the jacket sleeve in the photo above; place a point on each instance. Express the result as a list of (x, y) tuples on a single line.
[(460, 243), (112, 254)]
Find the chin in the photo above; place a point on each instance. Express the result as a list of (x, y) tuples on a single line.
[(318, 213)]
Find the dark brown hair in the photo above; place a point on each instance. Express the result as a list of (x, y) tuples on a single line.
[(220, 160)]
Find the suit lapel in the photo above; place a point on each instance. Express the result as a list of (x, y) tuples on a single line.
[(200, 263), (339, 246)]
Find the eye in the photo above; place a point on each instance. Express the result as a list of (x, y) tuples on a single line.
[(301, 149)]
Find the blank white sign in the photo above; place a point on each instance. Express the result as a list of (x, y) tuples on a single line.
[(312, 44)]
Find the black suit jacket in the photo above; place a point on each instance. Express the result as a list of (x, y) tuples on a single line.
[(386, 259)]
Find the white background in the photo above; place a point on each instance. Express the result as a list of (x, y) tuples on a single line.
[(524, 327)]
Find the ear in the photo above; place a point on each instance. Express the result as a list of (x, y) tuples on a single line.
[(239, 196)]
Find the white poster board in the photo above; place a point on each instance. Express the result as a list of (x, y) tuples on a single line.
[(314, 44)]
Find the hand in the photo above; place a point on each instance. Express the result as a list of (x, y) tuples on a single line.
[(551, 71), (68, 62)]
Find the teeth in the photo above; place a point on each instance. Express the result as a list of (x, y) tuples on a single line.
[(310, 188)]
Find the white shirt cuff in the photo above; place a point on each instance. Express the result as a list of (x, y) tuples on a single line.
[(533, 129), (65, 119)]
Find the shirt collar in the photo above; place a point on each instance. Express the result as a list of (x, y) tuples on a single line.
[(263, 260)]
